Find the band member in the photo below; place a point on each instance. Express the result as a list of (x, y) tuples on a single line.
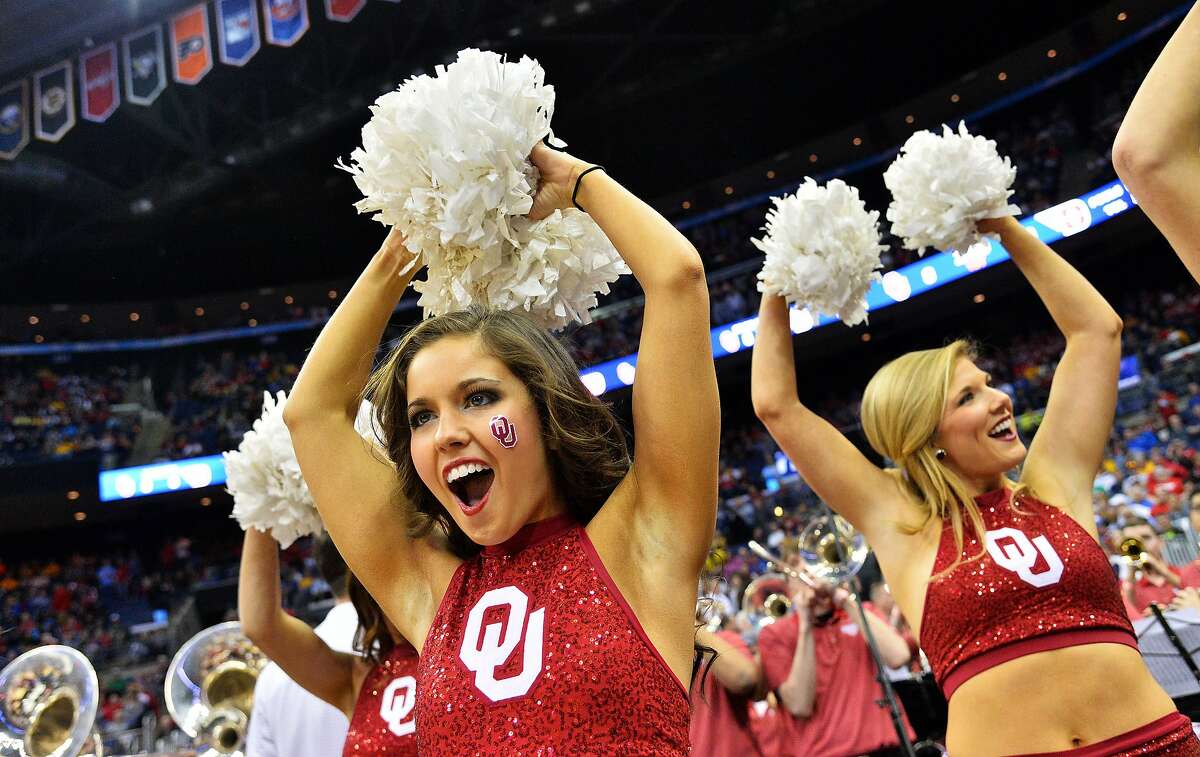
[(551, 580), (817, 661), (374, 687), (1157, 150), (1003, 581), (722, 697), (1154, 581)]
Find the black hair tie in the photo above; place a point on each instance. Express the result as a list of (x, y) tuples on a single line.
[(575, 191)]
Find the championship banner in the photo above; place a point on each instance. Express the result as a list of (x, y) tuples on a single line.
[(237, 31), (286, 20), (14, 119), (343, 10), (53, 102), (98, 83), (145, 65), (191, 57)]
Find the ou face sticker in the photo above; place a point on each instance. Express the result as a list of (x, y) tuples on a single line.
[(505, 431)]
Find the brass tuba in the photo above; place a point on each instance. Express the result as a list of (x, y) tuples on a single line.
[(48, 702), (765, 599), (210, 688)]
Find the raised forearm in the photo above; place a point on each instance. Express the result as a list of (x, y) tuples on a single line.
[(260, 606), (773, 363), (736, 672), (659, 256), (1162, 124), (799, 689), (1074, 304), (340, 361), (893, 649)]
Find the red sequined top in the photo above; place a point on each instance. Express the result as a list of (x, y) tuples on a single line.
[(385, 718), (533, 651), (1043, 583)]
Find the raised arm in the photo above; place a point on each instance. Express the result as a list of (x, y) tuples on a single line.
[(1067, 450), (289, 642), (736, 671), (893, 648), (352, 483), (668, 502), (841, 475), (1157, 151), (798, 692)]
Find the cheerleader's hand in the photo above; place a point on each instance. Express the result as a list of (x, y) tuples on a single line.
[(559, 172), (393, 246)]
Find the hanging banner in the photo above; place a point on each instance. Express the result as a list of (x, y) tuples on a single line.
[(191, 56), (237, 31), (98, 83), (145, 65), (343, 10), (53, 102), (14, 119), (286, 21)]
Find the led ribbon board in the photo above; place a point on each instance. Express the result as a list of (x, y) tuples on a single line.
[(934, 270), (160, 478)]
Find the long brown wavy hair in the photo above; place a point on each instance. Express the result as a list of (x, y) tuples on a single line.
[(586, 446), (372, 639)]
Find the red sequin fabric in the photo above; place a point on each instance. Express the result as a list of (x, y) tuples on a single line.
[(1042, 583), (385, 717), (1169, 736), (533, 651)]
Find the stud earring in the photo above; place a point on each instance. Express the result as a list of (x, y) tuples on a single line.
[(940, 454)]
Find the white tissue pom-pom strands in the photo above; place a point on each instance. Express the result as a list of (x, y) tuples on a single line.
[(263, 476), (822, 250), (943, 185), (445, 159)]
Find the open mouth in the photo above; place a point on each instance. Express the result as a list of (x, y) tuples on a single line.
[(471, 483), (1004, 431)]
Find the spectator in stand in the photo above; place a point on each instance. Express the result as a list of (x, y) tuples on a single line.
[(817, 662), (722, 696), (1158, 581)]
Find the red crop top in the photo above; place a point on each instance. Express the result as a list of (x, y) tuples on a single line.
[(1043, 583)]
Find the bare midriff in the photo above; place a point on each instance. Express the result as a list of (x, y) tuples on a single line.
[(1054, 701)]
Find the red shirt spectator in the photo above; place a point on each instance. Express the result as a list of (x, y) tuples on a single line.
[(720, 725), (1153, 588), (846, 719)]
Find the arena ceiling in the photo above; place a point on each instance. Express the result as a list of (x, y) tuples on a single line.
[(230, 184)]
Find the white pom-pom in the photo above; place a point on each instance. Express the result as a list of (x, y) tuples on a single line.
[(822, 250), (264, 478), (943, 185), (367, 425), (445, 159)]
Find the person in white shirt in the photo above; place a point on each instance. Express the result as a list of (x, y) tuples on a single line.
[(287, 720)]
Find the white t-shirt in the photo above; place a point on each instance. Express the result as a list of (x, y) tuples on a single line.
[(286, 720)]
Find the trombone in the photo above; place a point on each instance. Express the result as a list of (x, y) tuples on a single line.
[(833, 551)]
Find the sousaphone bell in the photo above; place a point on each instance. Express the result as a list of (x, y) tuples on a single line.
[(210, 688), (48, 702)]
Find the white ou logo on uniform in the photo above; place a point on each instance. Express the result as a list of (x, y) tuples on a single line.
[(396, 705), (1020, 554), (483, 652)]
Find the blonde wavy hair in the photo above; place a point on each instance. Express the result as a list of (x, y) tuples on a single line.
[(902, 408)]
